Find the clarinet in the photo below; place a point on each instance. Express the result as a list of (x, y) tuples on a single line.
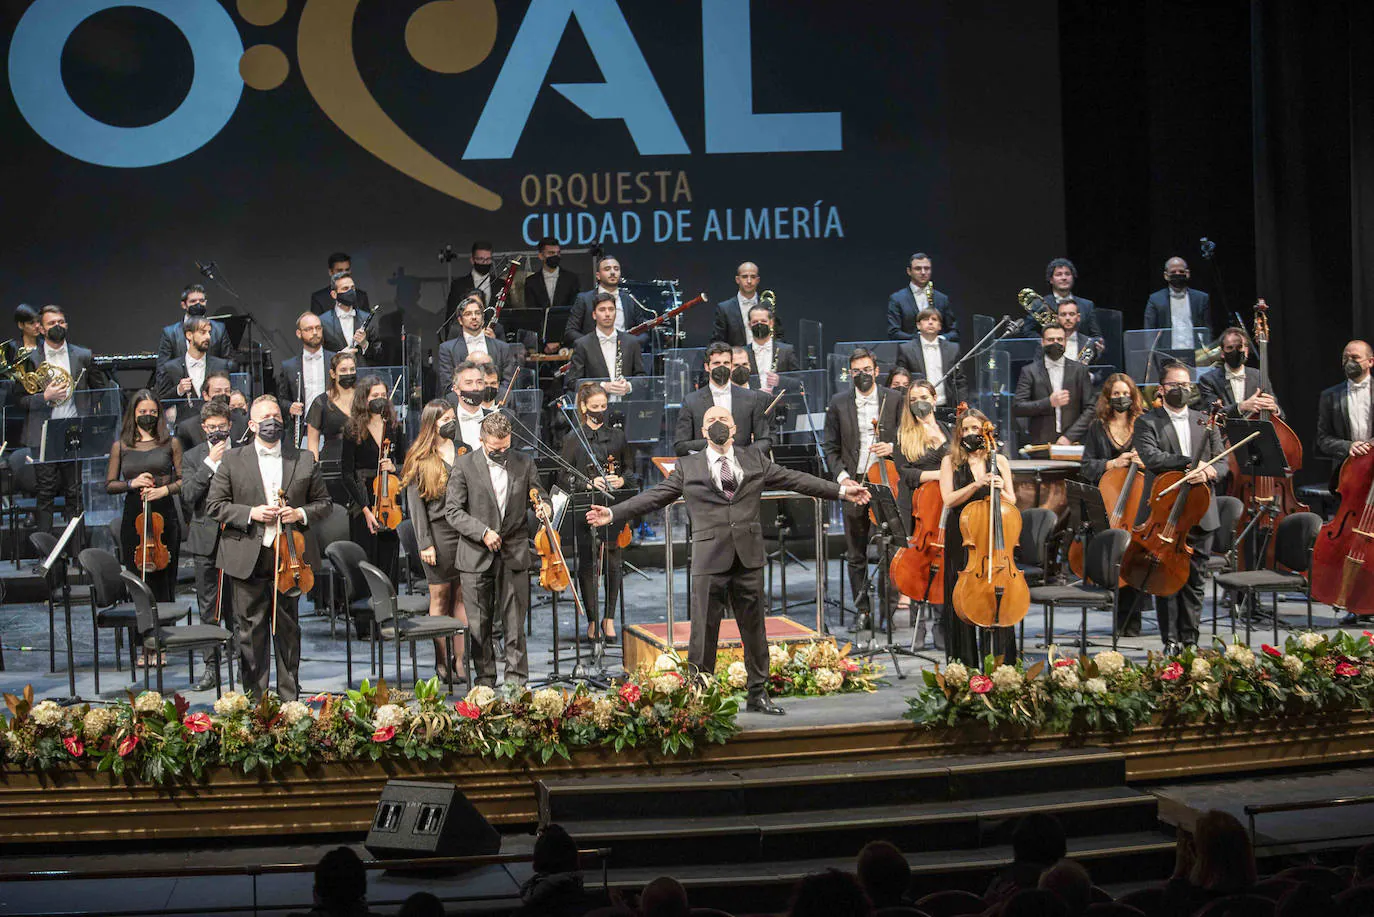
[(619, 371)]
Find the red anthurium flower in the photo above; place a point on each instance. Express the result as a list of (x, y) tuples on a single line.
[(1172, 672), (1271, 650), (384, 735), (74, 746), (979, 684), (127, 746), (1061, 663), (630, 693), (468, 710), (1346, 670), (197, 722)]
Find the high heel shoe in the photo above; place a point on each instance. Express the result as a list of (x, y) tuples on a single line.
[(610, 637)]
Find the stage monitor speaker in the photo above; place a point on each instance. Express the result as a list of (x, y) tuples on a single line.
[(416, 819)]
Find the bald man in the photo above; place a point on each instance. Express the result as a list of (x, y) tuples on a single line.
[(731, 322), (1345, 425), (1178, 308), (723, 485)]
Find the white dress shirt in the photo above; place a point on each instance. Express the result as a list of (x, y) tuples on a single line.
[(476, 344), (727, 456), (608, 348), (919, 294), (1181, 320), (469, 425), (619, 309), (550, 281), (744, 306), (1056, 370), (483, 282), (269, 466), (1237, 382), (1183, 427), (935, 366), (313, 375), (763, 355), (868, 410), (61, 356), (1357, 404), (722, 396), (348, 319), (500, 479), (1072, 344), (195, 371)]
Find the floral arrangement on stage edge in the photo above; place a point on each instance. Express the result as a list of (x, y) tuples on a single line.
[(158, 740), (806, 670), (1312, 673)]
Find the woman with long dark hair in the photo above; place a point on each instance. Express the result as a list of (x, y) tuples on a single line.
[(371, 424), (328, 414)]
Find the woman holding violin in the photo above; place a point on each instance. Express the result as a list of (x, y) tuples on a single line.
[(145, 466), (371, 440), (425, 479), (609, 468), (964, 480)]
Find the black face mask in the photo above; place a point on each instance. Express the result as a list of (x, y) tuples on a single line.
[(863, 382), (1121, 403), (1352, 369), (196, 310), (761, 330), (348, 380), (718, 432), (552, 262), (215, 437), (448, 430), (490, 392), (922, 409), (720, 375), (1234, 358), (1178, 281), (971, 442), (1054, 351), (377, 406), (499, 456), (349, 298), (481, 268), (239, 412), (1176, 397), (597, 416), (471, 399), (56, 334), (147, 422), (740, 375), (269, 430)]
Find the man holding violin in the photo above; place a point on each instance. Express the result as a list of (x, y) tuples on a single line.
[(245, 500)]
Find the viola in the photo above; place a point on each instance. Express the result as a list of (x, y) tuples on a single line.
[(553, 569), (1121, 489), (1158, 559), (386, 490), (1340, 576), (883, 470), (916, 569), (624, 536), (991, 590), (293, 574), (1268, 491), (151, 555)]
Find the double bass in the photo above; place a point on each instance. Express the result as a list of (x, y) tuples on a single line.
[(1340, 575), (991, 590), (1260, 491)]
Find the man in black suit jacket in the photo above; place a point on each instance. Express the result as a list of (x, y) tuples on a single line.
[(57, 402), (1345, 412), (473, 334), (1160, 309), (565, 289), (344, 327), (747, 408), (595, 355), (1062, 275), (494, 545), (304, 376), (722, 486), (176, 378), (481, 279), (904, 305), (216, 388), (628, 313), (198, 466), (917, 356), (729, 323), (1157, 441), (172, 343), (1055, 393), (1220, 382), (851, 445), (768, 356), (322, 300), (251, 520)]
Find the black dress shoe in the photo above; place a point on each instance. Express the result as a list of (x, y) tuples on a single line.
[(1172, 649), (764, 705), (208, 679), (1349, 619)]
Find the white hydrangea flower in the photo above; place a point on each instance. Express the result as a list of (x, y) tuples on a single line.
[(667, 683), (148, 702), (1065, 676), (666, 662), (47, 713), (1310, 640), (1095, 686), (1212, 689), (232, 702), (802, 655), (956, 674), (603, 712), (1110, 662), (1006, 678), (829, 680), (777, 654), (1201, 670), (294, 711), (737, 675), (1241, 654), (389, 715), (548, 703), (1292, 665), (97, 722), (482, 696)]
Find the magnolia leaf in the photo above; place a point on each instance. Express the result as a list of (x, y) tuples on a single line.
[(28, 693), (1034, 671)]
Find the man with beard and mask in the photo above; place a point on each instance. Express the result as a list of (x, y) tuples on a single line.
[(1178, 308), (553, 289), (183, 377), (740, 370), (466, 396), (746, 407), (767, 355), (930, 357), (172, 344), (244, 499), (1233, 383), (628, 314), (851, 446), (57, 402), (344, 326), (1076, 336), (723, 486), (479, 280), (1345, 412), (1165, 439), (474, 338), (216, 388), (322, 300), (1054, 393), (303, 377), (198, 466), (487, 499), (605, 353), (731, 321)]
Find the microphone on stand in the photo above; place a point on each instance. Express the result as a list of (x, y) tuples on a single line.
[(207, 270)]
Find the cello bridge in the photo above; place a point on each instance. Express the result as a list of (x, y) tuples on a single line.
[(1363, 534)]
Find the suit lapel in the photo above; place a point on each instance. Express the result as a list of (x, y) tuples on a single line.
[(1344, 399), (595, 359), (1170, 434)]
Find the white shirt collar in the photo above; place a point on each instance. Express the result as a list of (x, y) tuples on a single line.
[(1358, 386), (1056, 364), (52, 351), (552, 273), (719, 391), (870, 399), (342, 310), (606, 337), (1178, 294), (463, 413), (471, 338), (266, 451), (925, 343), (1236, 373), (917, 290), (316, 356), (615, 292), (193, 361), (1176, 416), (747, 299), (729, 453)]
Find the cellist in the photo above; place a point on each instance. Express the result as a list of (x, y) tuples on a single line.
[(922, 443), (1164, 440), (964, 478)]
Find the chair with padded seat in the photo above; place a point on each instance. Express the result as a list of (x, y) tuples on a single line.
[(390, 627), (410, 547), (1221, 560), (1101, 588), (1032, 551), (1294, 539), (344, 558), (157, 638), (108, 611)]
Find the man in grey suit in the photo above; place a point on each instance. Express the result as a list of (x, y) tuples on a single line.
[(722, 486), (474, 336), (1224, 383), (198, 467), (488, 493), (243, 499)]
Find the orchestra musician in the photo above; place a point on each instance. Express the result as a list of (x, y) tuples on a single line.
[(1062, 275), (910, 301), (184, 376), (486, 502), (1178, 308), (921, 444), (554, 289), (1236, 385), (768, 356), (371, 423), (606, 442), (322, 300), (474, 337), (740, 369), (732, 320), (929, 356), (303, 377), (238, 404), (746, 407), (244, 500), (57, 401), (216, 387), (491, 383), (1055, 393), (964, 479), (344, 325), (198, 466), (29, 333), (723, 486), (898, 379), (466, 396), (1164, 440), (605, 353), (1345, 412), (172, 343), (851, 446), (1076, 335), (425, 479), (477, 279), (628, 314)]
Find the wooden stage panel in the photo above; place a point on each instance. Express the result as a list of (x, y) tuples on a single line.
[(644, 642)]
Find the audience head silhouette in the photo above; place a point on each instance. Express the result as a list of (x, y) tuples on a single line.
[(884, 874), (830, 894)]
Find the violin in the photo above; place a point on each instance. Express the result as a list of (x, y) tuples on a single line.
[(151, 555), (1268, 491), (1158, 559), (624, 536), (553, 569), (883, 470), (386, 489), (915, 570), (1121, 489), (1339, 575), (293, 574), (991, 590)]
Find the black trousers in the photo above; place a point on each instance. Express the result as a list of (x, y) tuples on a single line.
[(252, 599), (497, 591), (599, 593), (207, 592), (857, 527), (54, 478), (741, 589), (1180, 614)]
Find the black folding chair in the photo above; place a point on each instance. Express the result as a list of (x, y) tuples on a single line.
[(193, 638), (108, 611), (398, 630), (1101, 588), (1294, 539)]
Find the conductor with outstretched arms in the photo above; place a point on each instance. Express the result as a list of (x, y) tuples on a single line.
[(722, 486)]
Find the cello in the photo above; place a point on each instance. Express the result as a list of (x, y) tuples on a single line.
[(991, 590), (1260, 491), (1121, 489), (915, 569), (1339, 573)]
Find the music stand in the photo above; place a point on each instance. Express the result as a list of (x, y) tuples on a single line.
[(56, 560), (70, 439), (1261, 457), (889, 520), (643, 420)]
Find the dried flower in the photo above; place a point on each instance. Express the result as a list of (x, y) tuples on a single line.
[(829, 680), (979, 684), (1110, 662), (823, 654), (1292, 665), (46, 713), (148, 702), (1241, 654), (1095, 686), (1201, 670), (667, 683), (1006, 678), (737, 675), (389, 715), (778, 655), (956, 674), (482, 695), (666, 662), (603, 712), (294, 711), (197, 722), (97, 722), (548, 703), (232, 702)]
